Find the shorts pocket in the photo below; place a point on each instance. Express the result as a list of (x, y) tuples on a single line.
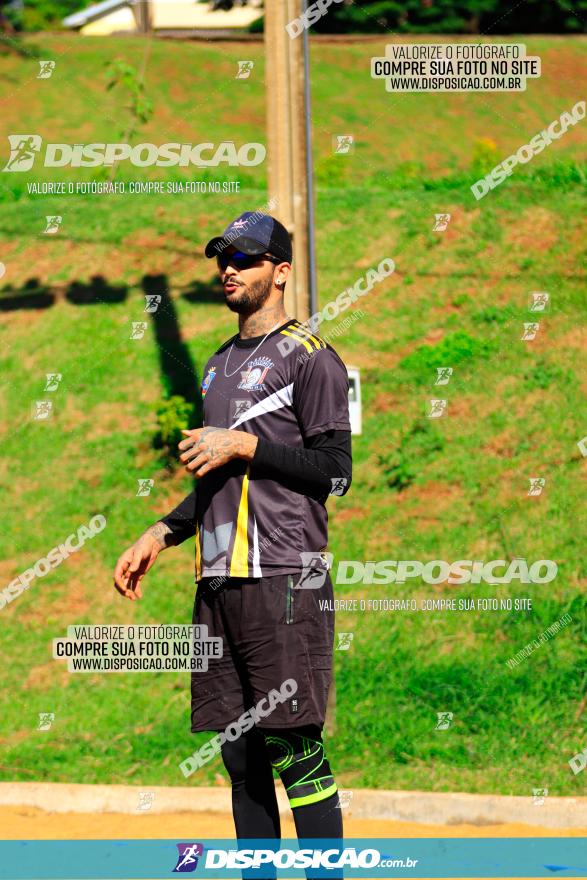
[(289, 600)]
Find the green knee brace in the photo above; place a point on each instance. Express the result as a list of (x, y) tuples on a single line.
[(302, 767)]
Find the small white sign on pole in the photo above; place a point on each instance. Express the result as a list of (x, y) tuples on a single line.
[(355, 400)]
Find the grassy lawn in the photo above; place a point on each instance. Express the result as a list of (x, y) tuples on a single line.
[(452, 488)]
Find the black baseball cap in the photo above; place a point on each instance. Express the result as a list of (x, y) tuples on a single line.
[(253, 233)]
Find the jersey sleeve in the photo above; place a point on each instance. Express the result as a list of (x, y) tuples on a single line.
[(325, 459), (182, 519), (321, 394)]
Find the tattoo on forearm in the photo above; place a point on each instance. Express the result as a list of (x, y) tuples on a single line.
[(162, 534)]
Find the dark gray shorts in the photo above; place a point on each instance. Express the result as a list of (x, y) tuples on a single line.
[(270, 632)]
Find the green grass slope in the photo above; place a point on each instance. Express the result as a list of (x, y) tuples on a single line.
[(452, 488)]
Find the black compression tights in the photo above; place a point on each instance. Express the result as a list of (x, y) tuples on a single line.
[(254, 804), (298, 757)]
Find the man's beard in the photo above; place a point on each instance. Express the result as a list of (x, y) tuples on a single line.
[(251, 298)]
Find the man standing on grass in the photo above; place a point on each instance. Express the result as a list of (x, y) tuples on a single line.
[(275, 443)]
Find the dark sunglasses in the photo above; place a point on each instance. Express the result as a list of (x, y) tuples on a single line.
[(244, 261)]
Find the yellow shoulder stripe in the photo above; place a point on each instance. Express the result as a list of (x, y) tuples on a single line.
[(300, 333), (299, 339)]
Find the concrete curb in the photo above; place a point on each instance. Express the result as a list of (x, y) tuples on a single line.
[(402, 806)]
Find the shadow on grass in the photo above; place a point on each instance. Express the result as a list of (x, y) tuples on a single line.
[(204, 292), (34, 294), (97, 292), (179, 373)]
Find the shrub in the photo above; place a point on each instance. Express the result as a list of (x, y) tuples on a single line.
[(415, 449), (174, 414), (455, 349)]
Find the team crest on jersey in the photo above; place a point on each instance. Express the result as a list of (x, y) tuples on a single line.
[(208, 380), (253, 379)]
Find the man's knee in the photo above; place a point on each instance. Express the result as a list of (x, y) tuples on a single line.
[(243, 756), (298, 756), (234, 756)]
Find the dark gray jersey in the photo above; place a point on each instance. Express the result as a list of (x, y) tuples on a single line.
[(249, 525)]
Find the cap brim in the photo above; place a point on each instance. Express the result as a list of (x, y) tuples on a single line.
[(247, 245)]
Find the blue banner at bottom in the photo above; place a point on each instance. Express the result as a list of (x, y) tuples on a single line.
[(316, 858)]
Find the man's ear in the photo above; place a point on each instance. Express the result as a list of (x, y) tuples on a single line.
[(283, 270)]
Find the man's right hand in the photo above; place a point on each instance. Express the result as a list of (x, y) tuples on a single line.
[(134, 563)]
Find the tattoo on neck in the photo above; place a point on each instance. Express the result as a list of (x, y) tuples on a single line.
[(261, 322)]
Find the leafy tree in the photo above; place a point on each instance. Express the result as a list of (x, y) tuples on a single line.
[(488, 17), (450, 16), (35, 15), (120, 74), (140, 107)]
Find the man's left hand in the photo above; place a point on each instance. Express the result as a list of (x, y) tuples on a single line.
[(207, 448)]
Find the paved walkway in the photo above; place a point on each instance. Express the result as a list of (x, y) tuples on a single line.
[(53, 810)]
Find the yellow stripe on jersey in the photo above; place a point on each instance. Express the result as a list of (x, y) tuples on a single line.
[(302, 330), (239, 563), (298, 339), (198, 555), (318, 342)]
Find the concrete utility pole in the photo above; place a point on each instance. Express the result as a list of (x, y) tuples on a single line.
[(287, 143), (143, 17), (287, 87)]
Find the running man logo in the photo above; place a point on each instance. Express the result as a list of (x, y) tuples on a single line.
[(152, 302), (53, 380), (187, 860), (146, 799), (53, 224), (345, 796), (23, 150), (443, 375), (437, 408), (46, 69), (539, 301), (444, 720), (145, 487), (46, 719), (344, 143), (24, 147), (138, 329), (315, 567), (42, 410), (244, 69), (344, 641), (441, 222), (537, 484), (530, 331), (238, 407), (338, 485)]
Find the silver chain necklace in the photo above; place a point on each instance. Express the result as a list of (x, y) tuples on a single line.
[(249, 356)]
